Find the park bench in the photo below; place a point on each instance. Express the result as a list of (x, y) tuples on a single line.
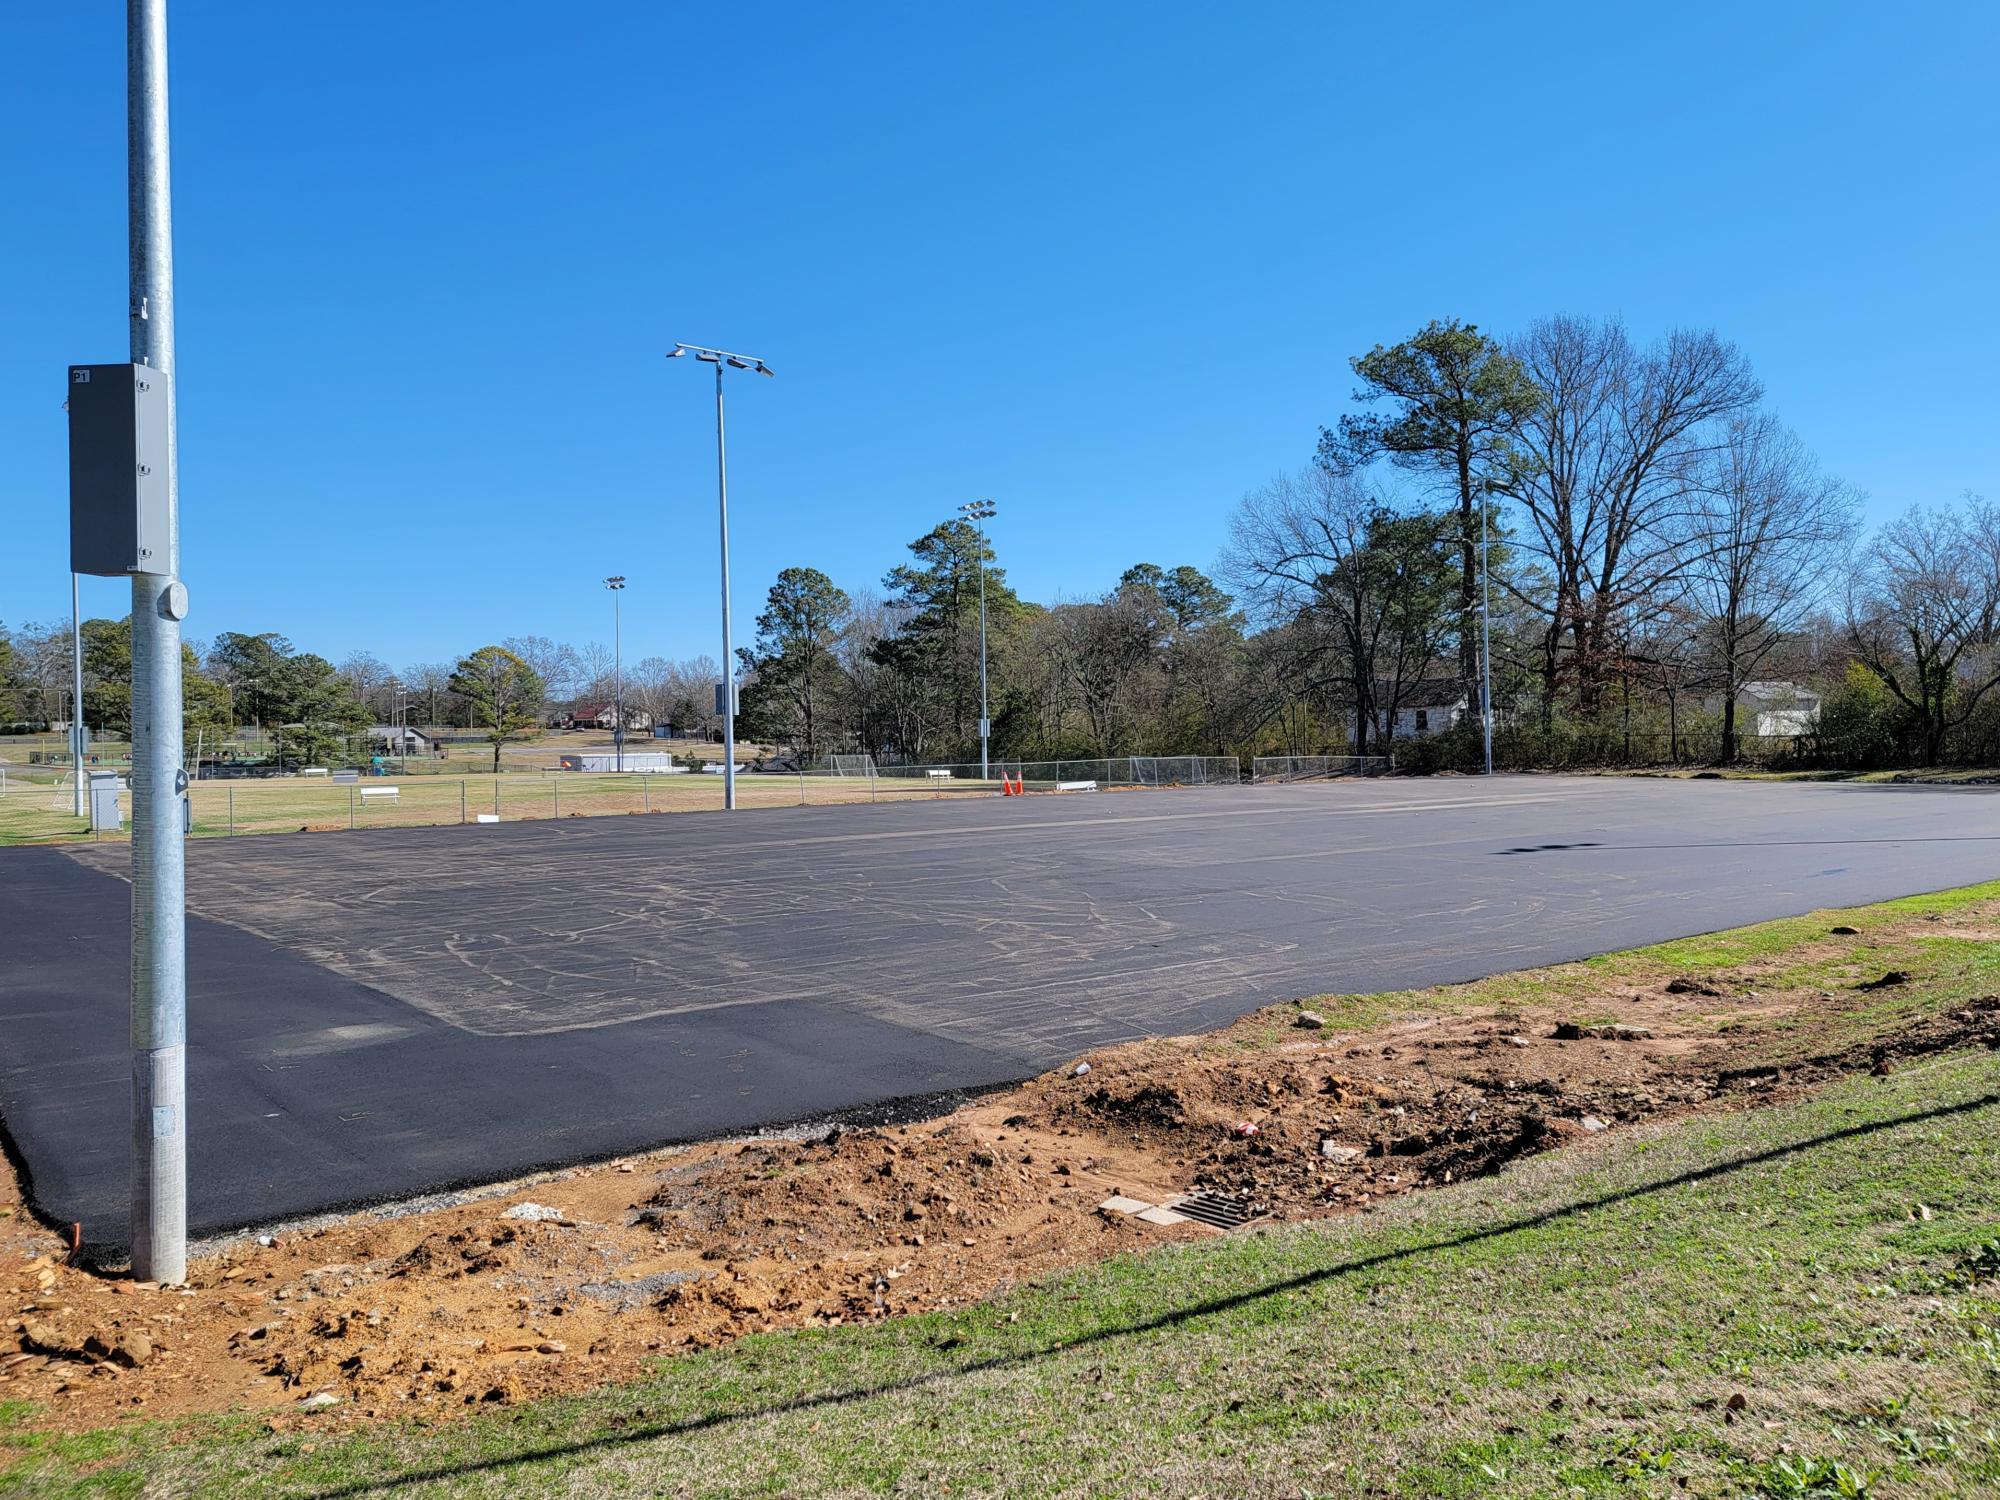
[(938, 775), (379, 793)]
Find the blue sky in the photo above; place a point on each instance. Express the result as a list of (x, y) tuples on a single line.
[(1104, 263)]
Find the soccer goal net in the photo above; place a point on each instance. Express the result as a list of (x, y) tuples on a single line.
[(1185, 770), (1269, 768), (853, 765)]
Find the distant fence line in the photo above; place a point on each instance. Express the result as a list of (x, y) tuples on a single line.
[(1049, 775)]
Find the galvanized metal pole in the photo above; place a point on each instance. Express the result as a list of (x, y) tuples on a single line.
[(728, 654), (1486, 632), (617, 685), (76, 695), (985, 715), (159, 911)]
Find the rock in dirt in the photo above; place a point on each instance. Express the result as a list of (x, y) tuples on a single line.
[(128, 1349), (1592, 1123), (1333, 1151), (536, 1212), (1845, 931), (319, 1401), (1887, 981), (1311, 1020), (1571, 1031), (1682, 985)]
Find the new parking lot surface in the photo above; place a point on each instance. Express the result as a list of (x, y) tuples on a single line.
[(376, 1015)]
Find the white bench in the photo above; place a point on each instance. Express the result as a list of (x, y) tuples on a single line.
[(1076, 786), (314, 771), (379, 794), (938, 775)]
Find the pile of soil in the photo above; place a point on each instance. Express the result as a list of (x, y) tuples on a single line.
[(576, 1279)]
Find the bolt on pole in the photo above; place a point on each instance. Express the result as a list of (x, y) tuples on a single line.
[(159, 911)]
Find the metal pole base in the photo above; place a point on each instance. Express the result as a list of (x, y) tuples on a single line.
[(159, 1159)]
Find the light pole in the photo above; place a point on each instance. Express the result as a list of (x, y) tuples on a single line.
[(616, 583), (1486, 624), (159, 782), (727, 703), (1486, 489), (978, 512)]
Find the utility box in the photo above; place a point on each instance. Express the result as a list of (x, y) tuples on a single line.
[(105, 816), (120, 521)]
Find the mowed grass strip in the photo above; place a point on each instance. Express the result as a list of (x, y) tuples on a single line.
[(1942, 940), (1793, 1302), (237, 808)]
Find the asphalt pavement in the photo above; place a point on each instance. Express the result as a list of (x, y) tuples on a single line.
[(379, 1014)]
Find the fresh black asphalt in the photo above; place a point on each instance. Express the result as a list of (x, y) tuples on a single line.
[(379, 1014)]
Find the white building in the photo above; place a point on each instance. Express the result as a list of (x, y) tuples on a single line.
[(1770, 708)]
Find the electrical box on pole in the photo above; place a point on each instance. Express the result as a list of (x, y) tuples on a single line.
[(120, 513)]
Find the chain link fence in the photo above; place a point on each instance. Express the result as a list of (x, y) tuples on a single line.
[(1267, 769)]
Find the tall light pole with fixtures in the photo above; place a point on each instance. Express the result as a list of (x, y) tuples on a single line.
[(719, 358), (1486, 489), (616, 583), (978, 512)]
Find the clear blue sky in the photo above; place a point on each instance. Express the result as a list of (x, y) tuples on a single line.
[(1104, 263)]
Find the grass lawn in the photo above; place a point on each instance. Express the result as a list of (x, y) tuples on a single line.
[(1793, 1302), (224, 809)]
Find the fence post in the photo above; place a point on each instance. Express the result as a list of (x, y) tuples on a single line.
[(350, 809), (496, 794), (461, 799), (557, 787), (802, 789), (645, 794), (232, 812)]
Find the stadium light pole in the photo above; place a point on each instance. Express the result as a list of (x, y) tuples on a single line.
[(719, 358), (978, 512), (1486, 624), (159, 782), (1486, 489), (616, 583)]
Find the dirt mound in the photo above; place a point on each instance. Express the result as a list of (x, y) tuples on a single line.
[(512, 1295)]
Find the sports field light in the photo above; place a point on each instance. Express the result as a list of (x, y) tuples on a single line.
[(978, 512), (719, 358), (616, 583)]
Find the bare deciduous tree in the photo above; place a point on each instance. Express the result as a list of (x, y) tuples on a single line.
[(1923, 607), (1763, 531), (1607, 459)]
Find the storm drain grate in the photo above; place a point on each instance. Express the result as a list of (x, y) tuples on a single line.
[(1213, 1209)]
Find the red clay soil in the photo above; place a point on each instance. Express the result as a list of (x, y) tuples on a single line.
[(440, 1311)]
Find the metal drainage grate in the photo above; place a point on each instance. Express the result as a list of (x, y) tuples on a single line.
[(1213, 1209)]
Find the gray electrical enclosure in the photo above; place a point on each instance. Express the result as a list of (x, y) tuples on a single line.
[(118, 512)]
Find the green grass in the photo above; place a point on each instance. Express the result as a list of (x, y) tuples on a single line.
[(42, 815), (1789, 954), (1577, 1326)]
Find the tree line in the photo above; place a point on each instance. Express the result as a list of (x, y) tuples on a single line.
[(1631, 530)]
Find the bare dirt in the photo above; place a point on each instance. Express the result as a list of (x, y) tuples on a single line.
[(483, 1302)]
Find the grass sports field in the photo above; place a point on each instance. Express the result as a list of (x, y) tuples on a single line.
[(33, 813)]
